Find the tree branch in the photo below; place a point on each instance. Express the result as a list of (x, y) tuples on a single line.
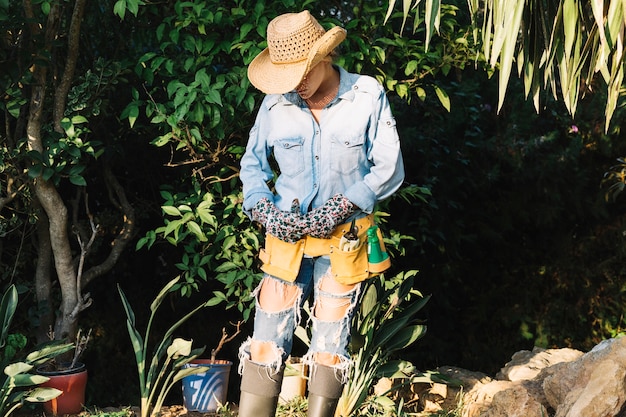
[(82, 302), (117, 195), (225, 339), (60, 96)]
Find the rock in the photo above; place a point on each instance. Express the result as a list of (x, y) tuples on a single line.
[(515, 401), (592, 386), (479, 399), (383, 386), (538, 383), (461, 382), (432, 400), (552, 382), (525, 365)]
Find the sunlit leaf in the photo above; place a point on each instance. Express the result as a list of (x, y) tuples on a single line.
[(443, 97)]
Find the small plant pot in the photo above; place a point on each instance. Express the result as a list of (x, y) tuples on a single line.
[(72, 382), (294, 380), (206, 391)]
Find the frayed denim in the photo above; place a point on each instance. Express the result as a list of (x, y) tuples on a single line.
[(332, 337)]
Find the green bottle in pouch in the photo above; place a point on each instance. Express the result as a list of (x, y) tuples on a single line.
[(377, 257)]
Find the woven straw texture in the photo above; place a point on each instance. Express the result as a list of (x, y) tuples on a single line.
[(296, 43)]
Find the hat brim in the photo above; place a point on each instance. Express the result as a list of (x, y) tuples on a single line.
[(281, 78)]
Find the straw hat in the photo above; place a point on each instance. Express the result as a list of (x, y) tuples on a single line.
[(296, 42)]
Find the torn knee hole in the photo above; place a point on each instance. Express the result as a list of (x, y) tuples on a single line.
[(331, 309), (277, 296), (264, 351)]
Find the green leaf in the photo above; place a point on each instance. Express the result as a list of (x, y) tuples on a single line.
[(162, 294), (421, 93), (432, 18), (27, 380), (406, 337), (78, 180), (443, 97), (171, 211), (411, 67), (8, 305), (195, 228), (120, 8), (42, 394), (79, 119), (17, 368)]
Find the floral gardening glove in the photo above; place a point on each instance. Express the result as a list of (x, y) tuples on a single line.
[(284, 225), (321, 221)]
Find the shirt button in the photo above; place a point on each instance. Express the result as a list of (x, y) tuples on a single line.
[(314, 185), (356, 87), (388, 123), (317, 157), (346, 143)]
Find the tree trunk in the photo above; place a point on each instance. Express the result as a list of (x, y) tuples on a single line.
[(46, 192), (43, 279), (54, 226)]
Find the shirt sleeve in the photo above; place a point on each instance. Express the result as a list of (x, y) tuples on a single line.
[(387, 168), (256, 171)]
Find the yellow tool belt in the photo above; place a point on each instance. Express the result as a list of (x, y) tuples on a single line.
[(282, 259)]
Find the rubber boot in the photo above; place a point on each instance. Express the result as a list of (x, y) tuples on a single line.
[(260, 387), (324, 391)]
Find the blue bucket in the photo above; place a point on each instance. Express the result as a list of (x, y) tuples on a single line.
[(205, 392)]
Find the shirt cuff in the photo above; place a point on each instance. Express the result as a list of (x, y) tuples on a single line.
[(361, 196)]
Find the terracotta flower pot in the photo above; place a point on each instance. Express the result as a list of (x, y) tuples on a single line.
[(72, 382), (205, 392)]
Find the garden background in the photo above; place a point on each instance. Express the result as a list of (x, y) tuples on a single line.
[(132, 115)]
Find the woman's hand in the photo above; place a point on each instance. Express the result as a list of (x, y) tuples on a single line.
[(321, 221), (285, 225)]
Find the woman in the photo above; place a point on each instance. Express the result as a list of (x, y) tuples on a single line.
[(334, 141)]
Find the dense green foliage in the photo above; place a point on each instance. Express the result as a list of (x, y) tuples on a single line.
[(503, 214)]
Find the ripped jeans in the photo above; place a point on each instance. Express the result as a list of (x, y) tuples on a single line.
[(328, 336)]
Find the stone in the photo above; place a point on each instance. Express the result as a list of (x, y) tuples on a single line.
[(383, 385), (515, 401), (538, 383), (517, 390), (592, 386), (461, 382), (432, 399), (478, 400), (525, 365)]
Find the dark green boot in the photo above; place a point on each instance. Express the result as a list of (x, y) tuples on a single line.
[(260, 387), (324, 391)]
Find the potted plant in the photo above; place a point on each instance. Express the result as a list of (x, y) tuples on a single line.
[(207, 390), (69, 377), (17, 384), (159, 367)]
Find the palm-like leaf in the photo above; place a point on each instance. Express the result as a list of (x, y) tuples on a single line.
[(164, 368), (384, 324), (561, 46)]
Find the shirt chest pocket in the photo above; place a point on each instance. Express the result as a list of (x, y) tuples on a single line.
[(289, 154), (347, 153)]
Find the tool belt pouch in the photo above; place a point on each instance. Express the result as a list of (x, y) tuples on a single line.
[(281, 259), (349, 267), (352, 265)]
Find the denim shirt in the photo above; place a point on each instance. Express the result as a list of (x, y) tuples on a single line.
[(354, 150)]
